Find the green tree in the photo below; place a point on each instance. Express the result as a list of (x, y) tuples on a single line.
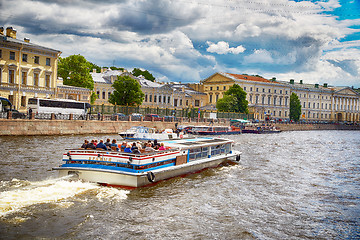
[(93, 97), (137, 72), (234, 100), (94, 66), (75, 71), (295, 107), (127, 92)]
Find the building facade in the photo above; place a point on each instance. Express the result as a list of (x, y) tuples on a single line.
[(26, 69), (270, 99)]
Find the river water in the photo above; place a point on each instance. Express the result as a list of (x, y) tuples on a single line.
[(292, 185)]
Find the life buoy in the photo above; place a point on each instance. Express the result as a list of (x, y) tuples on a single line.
[(151, 176), (238, 158)]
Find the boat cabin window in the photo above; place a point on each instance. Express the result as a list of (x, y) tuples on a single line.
[(198, 153)]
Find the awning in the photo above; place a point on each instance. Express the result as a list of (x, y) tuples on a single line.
[(5, 100), (240, 120)]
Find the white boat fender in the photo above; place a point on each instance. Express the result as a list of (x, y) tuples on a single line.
[(238, 158), (151, 176)]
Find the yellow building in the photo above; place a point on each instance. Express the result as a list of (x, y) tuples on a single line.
[(26, 69), (267, 98)]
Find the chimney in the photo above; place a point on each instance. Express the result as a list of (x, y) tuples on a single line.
[(325, 85), (316, 85), (291, 81), (94, 70), (11, 32), (301, 81), (27, 40), (2, 30)]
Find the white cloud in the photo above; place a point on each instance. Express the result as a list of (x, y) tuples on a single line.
[(259, 56), (223, 48)]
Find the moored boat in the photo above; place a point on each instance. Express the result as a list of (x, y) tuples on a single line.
[(214, 130), (146, 133), (113, 168)]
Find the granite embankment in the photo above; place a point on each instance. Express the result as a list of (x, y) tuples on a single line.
[(65, 127)]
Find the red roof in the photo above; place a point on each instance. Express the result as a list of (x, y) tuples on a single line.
[(250, 78)]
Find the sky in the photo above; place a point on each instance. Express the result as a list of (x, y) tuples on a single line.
[(187, 41)]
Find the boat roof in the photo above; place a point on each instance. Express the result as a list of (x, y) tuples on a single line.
[(187, 143)]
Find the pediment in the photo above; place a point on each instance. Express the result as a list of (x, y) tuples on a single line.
[(217, 79), (347, 91)]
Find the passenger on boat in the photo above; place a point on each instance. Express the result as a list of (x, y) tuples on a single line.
[(123, 146), (146, 144), (90, 145), (138, 144), (114, 146), (85, 143), (127, 149), (162, 147), (149, 148), (156, 145), (108, 143), (101, 145), (95, 142)]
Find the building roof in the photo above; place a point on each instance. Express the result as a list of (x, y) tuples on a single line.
[(26, 44), (247, 78)]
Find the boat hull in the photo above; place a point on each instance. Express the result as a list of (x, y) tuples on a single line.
[(134, 180)]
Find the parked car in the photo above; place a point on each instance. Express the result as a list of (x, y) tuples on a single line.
[(169, 118), (149, 117), (136, 116), (16, 114), (121, 117)]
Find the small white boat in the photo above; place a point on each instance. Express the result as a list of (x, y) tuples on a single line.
[(111, 168), (145, 133)]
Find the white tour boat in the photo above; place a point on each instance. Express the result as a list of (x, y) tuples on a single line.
[(112, 168), (146, 133)]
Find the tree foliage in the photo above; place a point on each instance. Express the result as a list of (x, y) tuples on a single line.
[(127, 91), (75, 71), (94, 66), (295, 107), (234, 100), (137, 72)]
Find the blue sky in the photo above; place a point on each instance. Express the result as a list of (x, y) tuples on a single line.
[(187, 40)]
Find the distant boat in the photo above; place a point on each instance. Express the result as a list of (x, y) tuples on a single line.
[(214, 130), (145, 133), (112, 168)]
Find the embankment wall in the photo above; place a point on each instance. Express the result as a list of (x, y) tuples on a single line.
[(17, 127)]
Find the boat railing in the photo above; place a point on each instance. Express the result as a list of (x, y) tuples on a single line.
[(109, 152)]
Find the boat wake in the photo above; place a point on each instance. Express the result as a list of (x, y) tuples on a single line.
[(16, 195)]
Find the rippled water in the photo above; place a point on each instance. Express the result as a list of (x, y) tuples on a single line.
[(292, 185)]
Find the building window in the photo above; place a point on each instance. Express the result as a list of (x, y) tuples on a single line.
[(309, 105), (145, 98), (280, 101), (23, 101), (269, 100), (36, 79), (263, 89), (159, 99), (256, 99), (47, 80), (244, 88), (280, 91), (98, 93), (251, 89), (168, 99), (274, 101), (210, 98), (12, 55), (24, 57), (304, 104), (275, 91), (37, 59), (286, 101), (217, 97), (103, 95), (263, 100), (109, 94), (224, 87), (197, 103), (164, 99), (180, 102), (154, 98), (175, 102), (279, 113), (11, 76), (0, 53), (47, 61), (187, 102), (217, 88), (210, 88), (269, 90), (250, 99), (24, 78), (257, 89), (150, 98)]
